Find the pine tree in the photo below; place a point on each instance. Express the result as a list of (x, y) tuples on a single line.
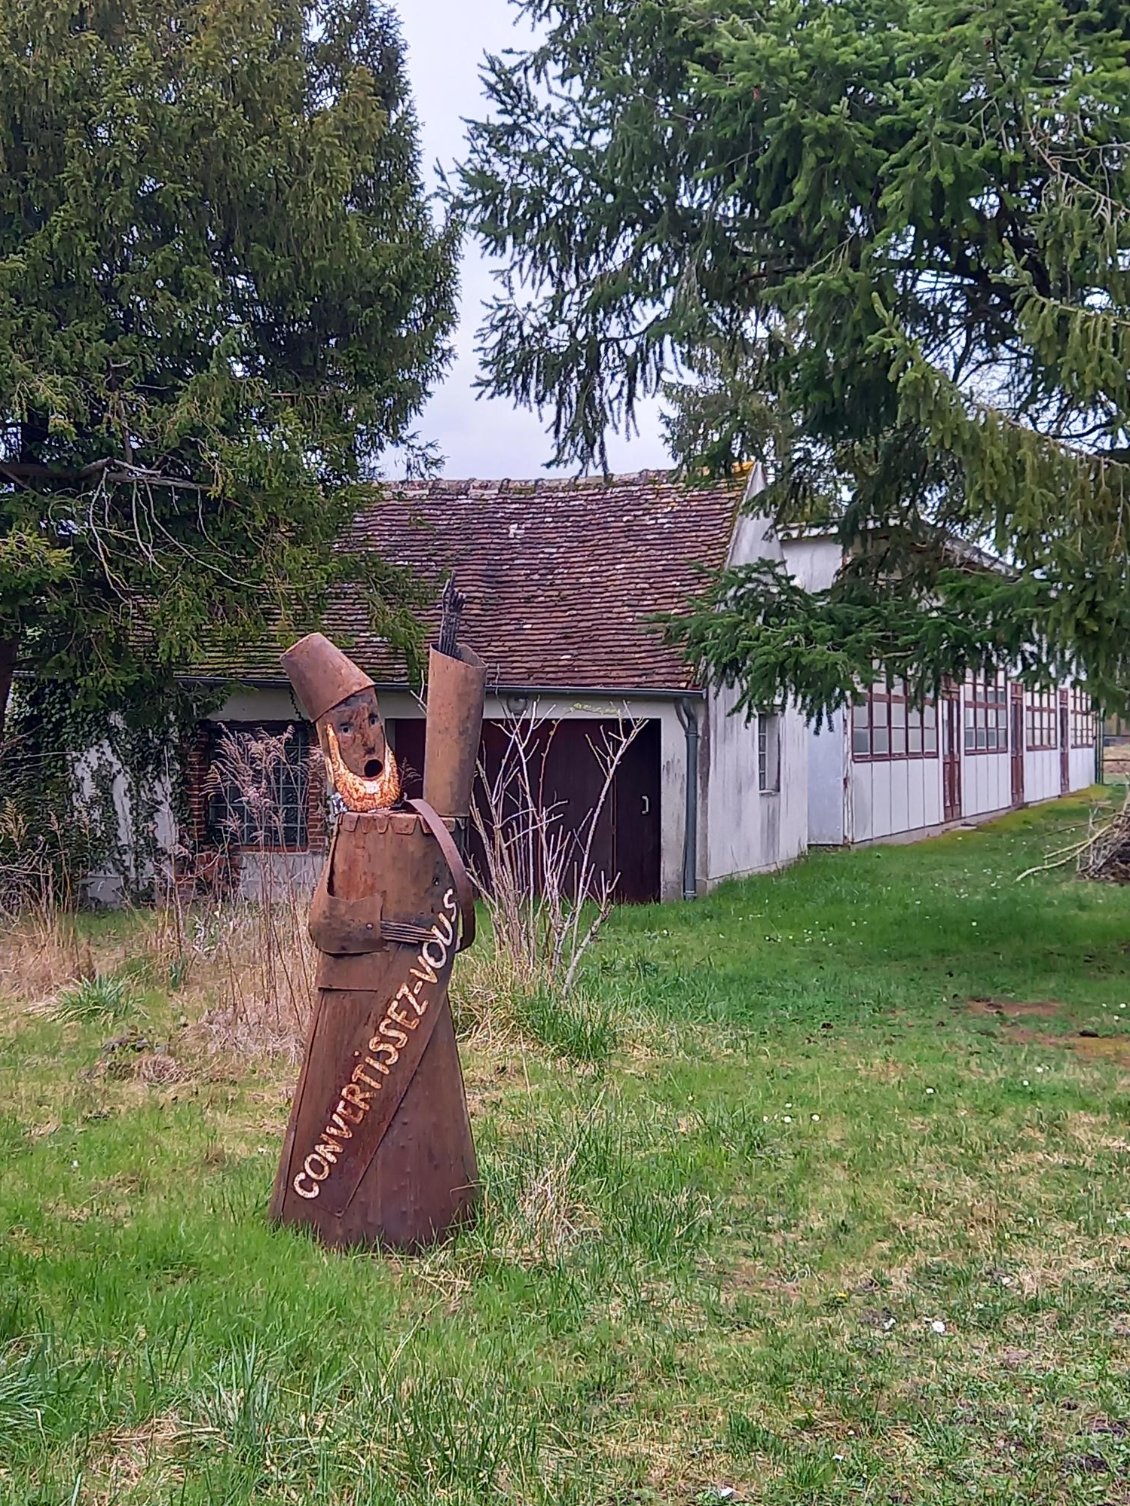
[(222, 297), (891, 243)]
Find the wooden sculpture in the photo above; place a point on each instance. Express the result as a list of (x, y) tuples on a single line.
[(378, 1150)]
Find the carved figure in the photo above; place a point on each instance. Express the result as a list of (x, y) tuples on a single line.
[(378, 1149)]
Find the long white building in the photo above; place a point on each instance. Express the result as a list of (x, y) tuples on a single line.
[(885, 769)]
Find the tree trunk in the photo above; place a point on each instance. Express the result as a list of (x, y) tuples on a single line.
[(8, 648)]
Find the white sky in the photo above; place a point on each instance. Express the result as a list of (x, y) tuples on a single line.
[(484, 437)]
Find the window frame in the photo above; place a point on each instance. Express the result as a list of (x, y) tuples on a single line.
[(769, 721), (993, 698), (1041, 721), (1081, 714), (900, 717)]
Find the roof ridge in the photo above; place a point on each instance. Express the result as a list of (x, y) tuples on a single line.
[(504, 485)]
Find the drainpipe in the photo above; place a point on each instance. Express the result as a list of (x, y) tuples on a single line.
[(688, 716)]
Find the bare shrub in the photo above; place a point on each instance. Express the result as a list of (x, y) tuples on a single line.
[(40, 945), (546, 895)]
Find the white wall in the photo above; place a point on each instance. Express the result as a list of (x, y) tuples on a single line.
[(1082, 768), (986, 782), (813, 562), (888, 798), (829, 772), (812, 559), (1041, 772), (742, 829), (746, 830), (108, 886)]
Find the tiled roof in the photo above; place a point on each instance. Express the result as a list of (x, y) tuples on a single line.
[(560, 575)]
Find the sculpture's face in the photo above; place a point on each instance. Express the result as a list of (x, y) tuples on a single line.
[(362, 766)]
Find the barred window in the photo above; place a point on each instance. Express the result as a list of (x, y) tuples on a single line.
[(1042, 729), (887, 726), (258, 785), (986, 717), (1082, 719)]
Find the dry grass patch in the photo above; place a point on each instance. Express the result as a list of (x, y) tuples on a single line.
[(123, 1458)]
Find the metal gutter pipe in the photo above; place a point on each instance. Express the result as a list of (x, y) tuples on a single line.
[(498, 691), (688, 716)]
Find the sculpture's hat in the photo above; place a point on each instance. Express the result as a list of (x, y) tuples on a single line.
[(322, 676)]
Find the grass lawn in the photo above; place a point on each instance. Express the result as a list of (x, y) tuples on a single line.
[(822, 1197)]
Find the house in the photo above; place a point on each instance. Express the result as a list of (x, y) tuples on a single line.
[(886, 770), (563, 580)]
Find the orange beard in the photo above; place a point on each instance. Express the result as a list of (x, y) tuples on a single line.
[(357, 793)]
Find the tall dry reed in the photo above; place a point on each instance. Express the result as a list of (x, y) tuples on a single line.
[(547, 895)]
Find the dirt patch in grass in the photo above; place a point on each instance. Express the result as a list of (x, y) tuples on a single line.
[(1114, 1049), (1016, 1009), (1107, 1048), (1086, 1043)]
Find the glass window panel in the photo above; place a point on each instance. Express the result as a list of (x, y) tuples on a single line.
[(931, 739), (898, 742), (861, 715), (860, 742), (914, 736), (881, 739), (262, 803), (981, 738), (898, 713), (769, 753)]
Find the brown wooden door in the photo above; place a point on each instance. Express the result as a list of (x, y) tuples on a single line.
[(1016, 744), (1064, 743), (951, 755), (636, 830), (566, 776)]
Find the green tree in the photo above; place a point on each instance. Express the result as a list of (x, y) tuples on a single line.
[(889, 245), (222, 297)]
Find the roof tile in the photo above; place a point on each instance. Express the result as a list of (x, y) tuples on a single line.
[(560, 575)]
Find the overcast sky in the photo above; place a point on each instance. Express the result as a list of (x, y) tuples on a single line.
[(482, 437)]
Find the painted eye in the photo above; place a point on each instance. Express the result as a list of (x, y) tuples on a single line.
[(373, 718), (346, 728)]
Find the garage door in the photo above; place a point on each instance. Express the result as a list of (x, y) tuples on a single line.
[(568, 776)]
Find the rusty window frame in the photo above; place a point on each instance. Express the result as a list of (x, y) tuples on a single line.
[(1042, 721), (985, 719), (1082, 719), (890, 726)]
